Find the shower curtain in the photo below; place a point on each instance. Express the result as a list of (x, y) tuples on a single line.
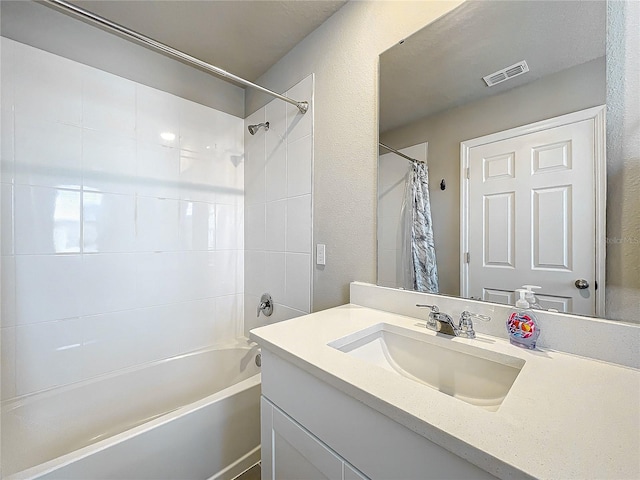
[(418, 252)]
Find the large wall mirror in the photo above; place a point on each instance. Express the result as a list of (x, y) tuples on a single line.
[(506, 162)]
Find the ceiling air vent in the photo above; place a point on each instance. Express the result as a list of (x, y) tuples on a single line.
[(506, 73)]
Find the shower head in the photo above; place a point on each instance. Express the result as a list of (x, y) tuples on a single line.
[(254, 128)]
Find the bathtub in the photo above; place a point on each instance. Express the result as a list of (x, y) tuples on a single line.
[(195, 416)]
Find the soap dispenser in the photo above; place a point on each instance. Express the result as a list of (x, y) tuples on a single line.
[(522, 324), (530, 296)]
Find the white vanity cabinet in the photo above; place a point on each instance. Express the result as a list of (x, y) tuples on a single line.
[(311, 430), (292, 453)]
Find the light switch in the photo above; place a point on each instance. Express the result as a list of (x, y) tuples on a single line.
[(320, 254)]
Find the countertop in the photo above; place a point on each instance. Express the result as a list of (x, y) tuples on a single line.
[(564, 417)]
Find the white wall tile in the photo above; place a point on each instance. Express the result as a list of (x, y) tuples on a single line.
[(110, 342), (8, 364), (254, 227), (158, 278), (47, 154), (250, 320), (298, 281), (229, 315), (275, 268), (229, 227), (108, 162), (108, 222), (255, 277), (197, 226), (228, 272), (155, 326), (47, 220), (47, 287), (157, 224), (276, 225), (299, 166), (108, 283), (199, 274), (299, 224), (158, 171), (77, 316), (157, 116), (254, 154), (228, 174), (108, 103), (47, 86), (298, 124), (198, 125), (6, 219), (8, 291), (48, 354), (197, 177), (6, 109), (200, 328), (276, 167)]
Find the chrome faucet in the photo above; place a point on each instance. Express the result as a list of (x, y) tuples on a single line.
[(443, 323)]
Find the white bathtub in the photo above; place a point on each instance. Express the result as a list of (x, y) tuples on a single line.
[(195, 416)]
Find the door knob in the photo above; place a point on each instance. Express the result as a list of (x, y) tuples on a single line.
[(581, 284)]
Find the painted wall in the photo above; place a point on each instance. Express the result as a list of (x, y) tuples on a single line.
[(42, 27), (278, 205), (120, 245), (568, 91), (623, 161), (343, 54)]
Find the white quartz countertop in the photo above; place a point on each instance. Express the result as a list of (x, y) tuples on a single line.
[(564, 417)]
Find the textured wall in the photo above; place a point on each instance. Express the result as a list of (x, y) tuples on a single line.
[(623, 160), (343, 53)]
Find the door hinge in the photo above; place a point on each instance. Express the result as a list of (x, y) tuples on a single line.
[(467, 173), (467, 257)]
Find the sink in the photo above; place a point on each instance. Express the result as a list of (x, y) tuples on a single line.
[(474, 375)]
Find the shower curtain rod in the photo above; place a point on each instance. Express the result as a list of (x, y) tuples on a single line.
[(387, 147), (131, 34)]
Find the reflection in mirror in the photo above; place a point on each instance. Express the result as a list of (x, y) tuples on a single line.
[(528, 212)]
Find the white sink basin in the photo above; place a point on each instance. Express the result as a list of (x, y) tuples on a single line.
[(471, 374)]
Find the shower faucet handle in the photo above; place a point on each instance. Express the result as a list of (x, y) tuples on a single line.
[(266, 305)]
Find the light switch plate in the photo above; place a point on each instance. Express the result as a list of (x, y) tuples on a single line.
[(320, 254)]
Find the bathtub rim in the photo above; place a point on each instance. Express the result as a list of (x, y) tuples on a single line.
[(242, 343), (54, 464)]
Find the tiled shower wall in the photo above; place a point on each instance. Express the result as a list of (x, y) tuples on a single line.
[(278, 211), (122, 222)]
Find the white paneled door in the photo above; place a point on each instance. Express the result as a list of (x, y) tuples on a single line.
[(532, 213)]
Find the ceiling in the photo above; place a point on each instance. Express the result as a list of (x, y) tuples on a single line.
[(442, 65), (244, 37)]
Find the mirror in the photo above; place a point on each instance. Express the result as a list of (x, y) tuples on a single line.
[(433, 98)]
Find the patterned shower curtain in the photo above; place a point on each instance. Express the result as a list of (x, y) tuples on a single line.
[(419, 254)]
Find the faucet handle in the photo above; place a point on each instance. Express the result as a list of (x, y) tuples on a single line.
[(467, 315), (466, 324), (434, 308)]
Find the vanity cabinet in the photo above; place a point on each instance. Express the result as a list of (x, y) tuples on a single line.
[(312, 430), (294, 453)]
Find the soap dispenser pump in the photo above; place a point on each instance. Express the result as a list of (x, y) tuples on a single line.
[(522, 324), (531, 297)]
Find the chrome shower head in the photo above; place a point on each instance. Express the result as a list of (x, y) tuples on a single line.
[(254, 128)]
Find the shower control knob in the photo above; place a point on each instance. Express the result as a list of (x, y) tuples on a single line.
[(582, 284), (266, 305)]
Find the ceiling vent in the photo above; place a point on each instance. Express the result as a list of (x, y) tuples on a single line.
[(506, 73)]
